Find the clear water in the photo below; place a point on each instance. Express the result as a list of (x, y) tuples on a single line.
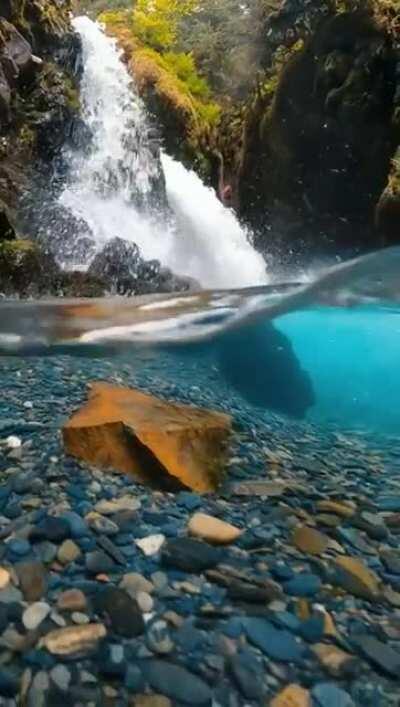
[(343, 326)]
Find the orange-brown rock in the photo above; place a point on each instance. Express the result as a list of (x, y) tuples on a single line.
[(355, 577), (333, 659), (292, 696), (212, 530), (157, 442)]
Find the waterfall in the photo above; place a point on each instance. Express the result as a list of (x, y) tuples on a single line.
[(114, 180)]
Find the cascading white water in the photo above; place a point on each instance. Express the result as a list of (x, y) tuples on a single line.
[(111, 183)]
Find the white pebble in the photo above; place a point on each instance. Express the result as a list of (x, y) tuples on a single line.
[(79, 618), (145, 602), (35, 614), (13, 442), (151, 545)]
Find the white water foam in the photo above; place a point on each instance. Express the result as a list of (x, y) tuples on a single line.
[(111, 183)]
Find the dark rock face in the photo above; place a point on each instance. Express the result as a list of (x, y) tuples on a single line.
[(38, 97), (307, 169), (121, 265), (7, 232)]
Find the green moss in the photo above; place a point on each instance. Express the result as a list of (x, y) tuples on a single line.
[(171, 81)]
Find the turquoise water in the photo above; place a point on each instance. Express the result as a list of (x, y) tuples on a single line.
[(353, 359)]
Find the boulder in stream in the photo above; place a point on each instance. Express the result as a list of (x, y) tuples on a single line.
[(161, 443), (126, 272)]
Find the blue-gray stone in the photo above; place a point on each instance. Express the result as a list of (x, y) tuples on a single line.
[(188, 500), (303, 585), (53, 529), (281, 572), (134, 680), (313, 629), (18, 547), (389, 503), (327, 694), (76, 523), (284, 619), (9, 683), (247, 673), (176, 682), (233, 628), (380, 654), (275, 643)]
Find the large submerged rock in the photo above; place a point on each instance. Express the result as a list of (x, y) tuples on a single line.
[(158, 442)]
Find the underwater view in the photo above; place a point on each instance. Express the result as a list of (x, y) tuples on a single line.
[(199, 353)]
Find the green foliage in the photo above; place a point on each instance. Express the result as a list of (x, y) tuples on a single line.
[(226, 39), (184, 67), (156, 22)]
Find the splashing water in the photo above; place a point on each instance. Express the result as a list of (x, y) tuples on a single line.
[(112, 184)]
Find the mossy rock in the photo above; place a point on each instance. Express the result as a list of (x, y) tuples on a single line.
[(28, 271), (24, 269)]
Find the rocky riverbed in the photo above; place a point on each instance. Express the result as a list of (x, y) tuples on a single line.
[(281, 589)]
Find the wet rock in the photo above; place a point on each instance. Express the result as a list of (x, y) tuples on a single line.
[(151, 545), (176, 682), (282, 385), (72, 600), (275, 643), (4, 578), (212, 530), (310, 541), (190, 555), (111, 549), (133, 583), (247, 673), (327, 694), (391, 560), (380, 654), (339, 508), (353, 575), (61, 677), (303, 585), (35, 614), (53, 529), (97, 562), (292, 696), (9, 683), (158, 638), (141, 435), (152, 701), (117, 505), (102, 525), (74, 639), (269, 489), (122, 612), (145, 602), (244, 588), (121, 265), (336, 661), (68, 552), (111, 660)]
